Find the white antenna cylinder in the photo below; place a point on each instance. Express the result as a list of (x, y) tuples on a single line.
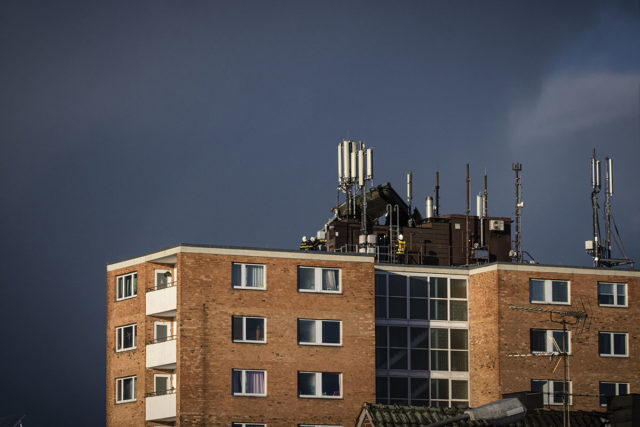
[(598, 173), (345, 158), (361, 176), (479, 205), (610, 175), (354, 167), (369, 163), (429, 207), (593, 172), (409, 187), (340, 162)]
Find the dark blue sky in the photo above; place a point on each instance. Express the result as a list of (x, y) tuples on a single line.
[(127, 127)]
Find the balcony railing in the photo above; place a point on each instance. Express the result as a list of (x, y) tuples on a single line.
[(171, 390), (163, 339), (158, 287)]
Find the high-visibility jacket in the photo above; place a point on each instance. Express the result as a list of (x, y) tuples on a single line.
[(305, 246), (401, 246)]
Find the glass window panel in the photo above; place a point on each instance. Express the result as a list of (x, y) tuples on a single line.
[(381, 336), (438, 288), (458, 310), (622, 292), (458, 288), (560, 340), (118, 339), (397, 358), (536, 290), (331, 332), (381, 387), (128, 337), (306, 383), (419, 388), (397, 308), (459, 339), (439, 338), (120, 290), (623, 388), (330, 279), (330, 384), (236, 329), (381, 307), (162, 279), (381, 358), (460, 361), (236, 381), (128, 288), (161, 385), (419, 337), (306, 278), (236, 275), (439, 360), (162, 332), (118, 390), (127, 389), (438, 310), (538, 340), (439, 404), (419, 287), (397, 336), (460, 404), (381, 284), (135, 283), (606, 390), (307, 331), (420, 360), (254, 276), (605, 294), (419, 402), (459, 389), (559, 291), (440, 389), (558, 392), (399, 387), (397, 285), (255, 329), (254, 382), (604, 343), (619, 344), (419, 309)]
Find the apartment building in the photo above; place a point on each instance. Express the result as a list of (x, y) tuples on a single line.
[(464, 336), (202, 335)]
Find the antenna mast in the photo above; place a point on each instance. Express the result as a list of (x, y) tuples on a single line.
[(516, 253)]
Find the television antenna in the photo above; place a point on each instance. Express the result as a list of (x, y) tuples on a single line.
[(566, 319)]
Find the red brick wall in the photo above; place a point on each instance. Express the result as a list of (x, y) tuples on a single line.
[(207, 355)]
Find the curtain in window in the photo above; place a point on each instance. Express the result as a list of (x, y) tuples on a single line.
[(255, 276), (330, 280), (255, 382)]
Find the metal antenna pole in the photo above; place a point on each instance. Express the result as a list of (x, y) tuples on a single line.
[(436, 212), (607, 206), (517, 167), (595, 186), (466, 242)]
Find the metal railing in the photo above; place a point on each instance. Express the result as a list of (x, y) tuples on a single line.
[(171, 390), (157, 287), (163, 339)]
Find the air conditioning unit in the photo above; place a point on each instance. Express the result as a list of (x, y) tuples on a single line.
[(496, 225)]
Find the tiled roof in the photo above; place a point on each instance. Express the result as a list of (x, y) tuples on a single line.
[(415, 416)]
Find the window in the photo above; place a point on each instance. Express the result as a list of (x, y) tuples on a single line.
[(247, 425), (319, 384), (549, 341), (612, 294), (612, 344), (247, 276), (319, 332), (125, 389), (316, 279), (126, 337), (162, 384), (449, 349), (161, 332), (548, 291), (162, 279), (249, 383), (248, 329), (551, 390), (612, 389), (126, 286)]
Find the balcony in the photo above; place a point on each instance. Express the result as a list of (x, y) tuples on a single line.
[(161, 407), (161, 354), (162, 302)]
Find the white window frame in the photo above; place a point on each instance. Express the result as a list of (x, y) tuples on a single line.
[(120, 287), (615, 294), (611, 342), (318, 326), (546, 394), (244, 329), (169, 326), (317, 280), (617, 387), (120, 388), (120, 330), (550, 349), (243, 379), (548, 292), (318, 392), (243, 276), (165, 271)]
